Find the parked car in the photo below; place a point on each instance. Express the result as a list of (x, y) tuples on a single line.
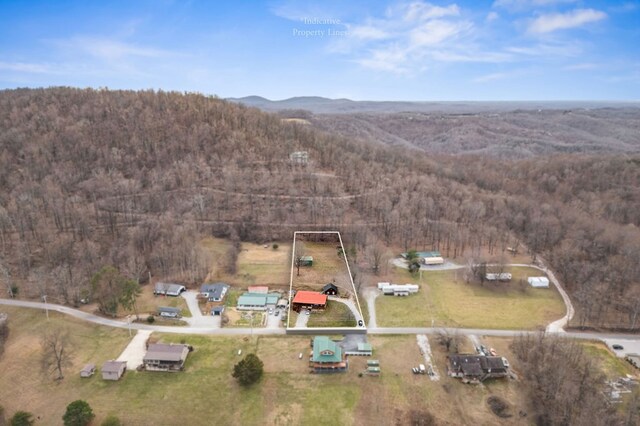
[(360, 323), (617, 347), (277, 313), (307, 312)]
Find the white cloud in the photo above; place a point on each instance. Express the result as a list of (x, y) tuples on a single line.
[(561, 21), (491, 77), (491, 16), (581, 66), (367, 32), (419, 11), (528, 4), (25, 67), (109, 49), (436, 32)]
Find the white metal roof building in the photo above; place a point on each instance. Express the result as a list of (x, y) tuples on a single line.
[(538, 282)]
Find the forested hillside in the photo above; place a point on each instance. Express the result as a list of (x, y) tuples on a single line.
[(135, 179)]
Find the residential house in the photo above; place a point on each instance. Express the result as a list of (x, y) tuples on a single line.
[(398, 289), (214, 292), (330, 289), (113, 370), (257, 301), (169, 312), (165, 357), (308, 300), (168, 289), (504, 276), (473, 368), (327, 356)]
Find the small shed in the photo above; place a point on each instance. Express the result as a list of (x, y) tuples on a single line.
[(88, 370), (169, 312), (373, 363), (113, 370), (373, 371), (217, 310), (538, 282), (330, 289), (306, 261)]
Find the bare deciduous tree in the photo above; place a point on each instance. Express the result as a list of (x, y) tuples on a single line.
[(56, 352)]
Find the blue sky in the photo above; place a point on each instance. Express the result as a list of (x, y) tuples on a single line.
[(375, 50)]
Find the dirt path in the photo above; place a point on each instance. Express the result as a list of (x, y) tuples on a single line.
[(425, 350), (370, 295), (135, 350)]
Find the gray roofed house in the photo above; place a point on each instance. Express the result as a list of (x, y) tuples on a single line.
[(168, 289), (477, 368), (214, 292), (169, 312), (165, 357), (113, 370)]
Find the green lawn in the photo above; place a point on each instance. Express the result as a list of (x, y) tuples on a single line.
[(446, 299), (336, 314)]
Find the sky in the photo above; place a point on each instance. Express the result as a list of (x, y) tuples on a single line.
[(500, 50)]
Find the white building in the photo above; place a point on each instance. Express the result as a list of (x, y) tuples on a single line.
[(433, 260), (505, 276), (398, 289), (538, 282)]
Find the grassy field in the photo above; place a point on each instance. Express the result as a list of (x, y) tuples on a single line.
[(206, 393), (446, 299), (611, 366), (327, 267), (335, 315), (256, 265)]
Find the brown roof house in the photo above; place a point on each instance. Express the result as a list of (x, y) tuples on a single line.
[(477, 368), (165, 357), (113, 370)]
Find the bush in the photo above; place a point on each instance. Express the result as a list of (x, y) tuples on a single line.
[(151, 319), (275, 246), (78, 413), (249, 370), (111, 421), (22, 418)]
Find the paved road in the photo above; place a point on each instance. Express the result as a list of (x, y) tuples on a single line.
[(267, 331)]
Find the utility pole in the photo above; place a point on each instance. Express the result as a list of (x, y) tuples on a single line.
[(46, 307)]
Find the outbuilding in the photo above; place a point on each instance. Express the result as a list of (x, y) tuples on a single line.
[(113, 370), (88, 370), (538, 282), (330, 289)]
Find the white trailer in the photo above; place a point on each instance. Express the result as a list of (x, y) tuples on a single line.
[(433, 260)]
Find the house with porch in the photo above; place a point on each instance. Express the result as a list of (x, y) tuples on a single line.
[(327, 356), (308, 300), (473, 368), (165, 357)]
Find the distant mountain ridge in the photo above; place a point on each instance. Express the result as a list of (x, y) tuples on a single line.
[(321, 105)]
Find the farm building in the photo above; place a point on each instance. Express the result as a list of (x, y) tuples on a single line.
[(538, 282), (436, 260), (262, 289), (306, 261), (477, 368), (257, 301), (169, 312), (217, 310), (398, 289), (168, 289), (363, 349), (327, 356), (309, 300), (163, 357), (214, 292), (330, 289), (88, 370), (423, 254), (505, 276), (113, 370)]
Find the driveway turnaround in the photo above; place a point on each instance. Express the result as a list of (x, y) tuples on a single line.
[(197, 318)]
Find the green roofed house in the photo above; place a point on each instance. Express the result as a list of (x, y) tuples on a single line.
[(327, 356), (257, 301)]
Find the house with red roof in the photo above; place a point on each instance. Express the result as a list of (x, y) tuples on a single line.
[(308, 300)]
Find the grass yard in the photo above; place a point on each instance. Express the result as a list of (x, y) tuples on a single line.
[(327, 267), (336, 314), (149, 304), (612, 366), (287, 394), (446, 299)]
